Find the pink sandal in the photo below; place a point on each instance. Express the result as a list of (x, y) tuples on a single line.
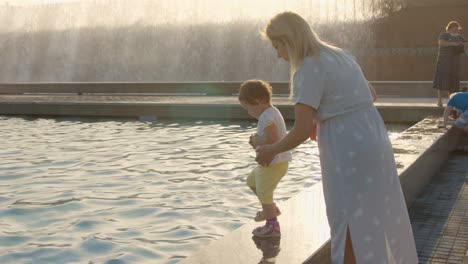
[(259, 217)]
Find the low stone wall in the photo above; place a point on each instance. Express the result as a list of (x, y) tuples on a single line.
[(420, 152), (399, 110), (383, 88)]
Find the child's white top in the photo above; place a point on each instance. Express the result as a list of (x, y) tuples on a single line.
[(273, 116)]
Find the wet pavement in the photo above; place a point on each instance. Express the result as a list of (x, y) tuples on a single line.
[(439, 216)]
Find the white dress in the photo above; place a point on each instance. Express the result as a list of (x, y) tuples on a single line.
[(360, 180)]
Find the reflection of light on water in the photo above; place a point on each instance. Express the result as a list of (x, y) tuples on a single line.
[(120, 187), (395, 129), (147, 191), (393, 135)]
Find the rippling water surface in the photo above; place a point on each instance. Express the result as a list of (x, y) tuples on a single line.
[(123, 191)]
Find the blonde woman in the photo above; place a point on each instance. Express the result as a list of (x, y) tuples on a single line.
[(447, 73), (366, 209)]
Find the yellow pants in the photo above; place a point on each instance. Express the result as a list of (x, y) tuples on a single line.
[(265, 180)]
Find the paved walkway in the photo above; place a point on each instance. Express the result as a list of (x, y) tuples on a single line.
[(440, 215)]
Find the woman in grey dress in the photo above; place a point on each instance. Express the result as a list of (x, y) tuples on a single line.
[(447, 73), (366, 208)]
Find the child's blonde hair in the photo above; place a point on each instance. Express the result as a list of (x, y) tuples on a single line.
[(299, 39), (252, 91)]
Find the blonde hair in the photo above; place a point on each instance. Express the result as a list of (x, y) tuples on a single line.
[(252, 91), (452, 24), (299, 39)]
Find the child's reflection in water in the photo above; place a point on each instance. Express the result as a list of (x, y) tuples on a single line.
[(270, 247)]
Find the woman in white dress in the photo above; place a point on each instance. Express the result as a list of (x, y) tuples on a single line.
[(366, 208)]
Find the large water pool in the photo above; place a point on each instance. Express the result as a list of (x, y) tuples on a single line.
[(123, 191)]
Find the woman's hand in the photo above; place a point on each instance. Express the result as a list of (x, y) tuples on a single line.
[(265, 155), (313, 133)]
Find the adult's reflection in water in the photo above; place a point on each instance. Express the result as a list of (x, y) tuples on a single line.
[(270, 247)]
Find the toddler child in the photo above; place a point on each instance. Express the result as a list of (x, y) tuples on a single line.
[(255, 97)]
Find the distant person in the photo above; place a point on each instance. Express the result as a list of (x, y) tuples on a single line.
[(459, 102), (255, 97), (366, 209), (456, 113), (447, 73)]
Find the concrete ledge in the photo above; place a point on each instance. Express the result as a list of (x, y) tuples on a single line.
[(205, 88), (407, 114), (304, 227), (216, 111), (407, 88), (419, 151), (383, 88), (402, 110)]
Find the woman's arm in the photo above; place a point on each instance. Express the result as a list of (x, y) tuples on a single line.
[(445, 43), (303, 125)]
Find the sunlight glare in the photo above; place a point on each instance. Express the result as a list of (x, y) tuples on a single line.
[(120, 13)]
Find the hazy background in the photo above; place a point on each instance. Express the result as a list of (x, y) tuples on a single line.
[(165, 40)]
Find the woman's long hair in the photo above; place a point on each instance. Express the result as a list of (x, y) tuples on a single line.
[(453, 24), (299, 39)]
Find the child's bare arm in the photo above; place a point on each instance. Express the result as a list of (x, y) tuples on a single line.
[(270, 136), (447, 111)]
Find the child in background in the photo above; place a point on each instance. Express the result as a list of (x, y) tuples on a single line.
[(255, 97), (458, 101), (456, 113)]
